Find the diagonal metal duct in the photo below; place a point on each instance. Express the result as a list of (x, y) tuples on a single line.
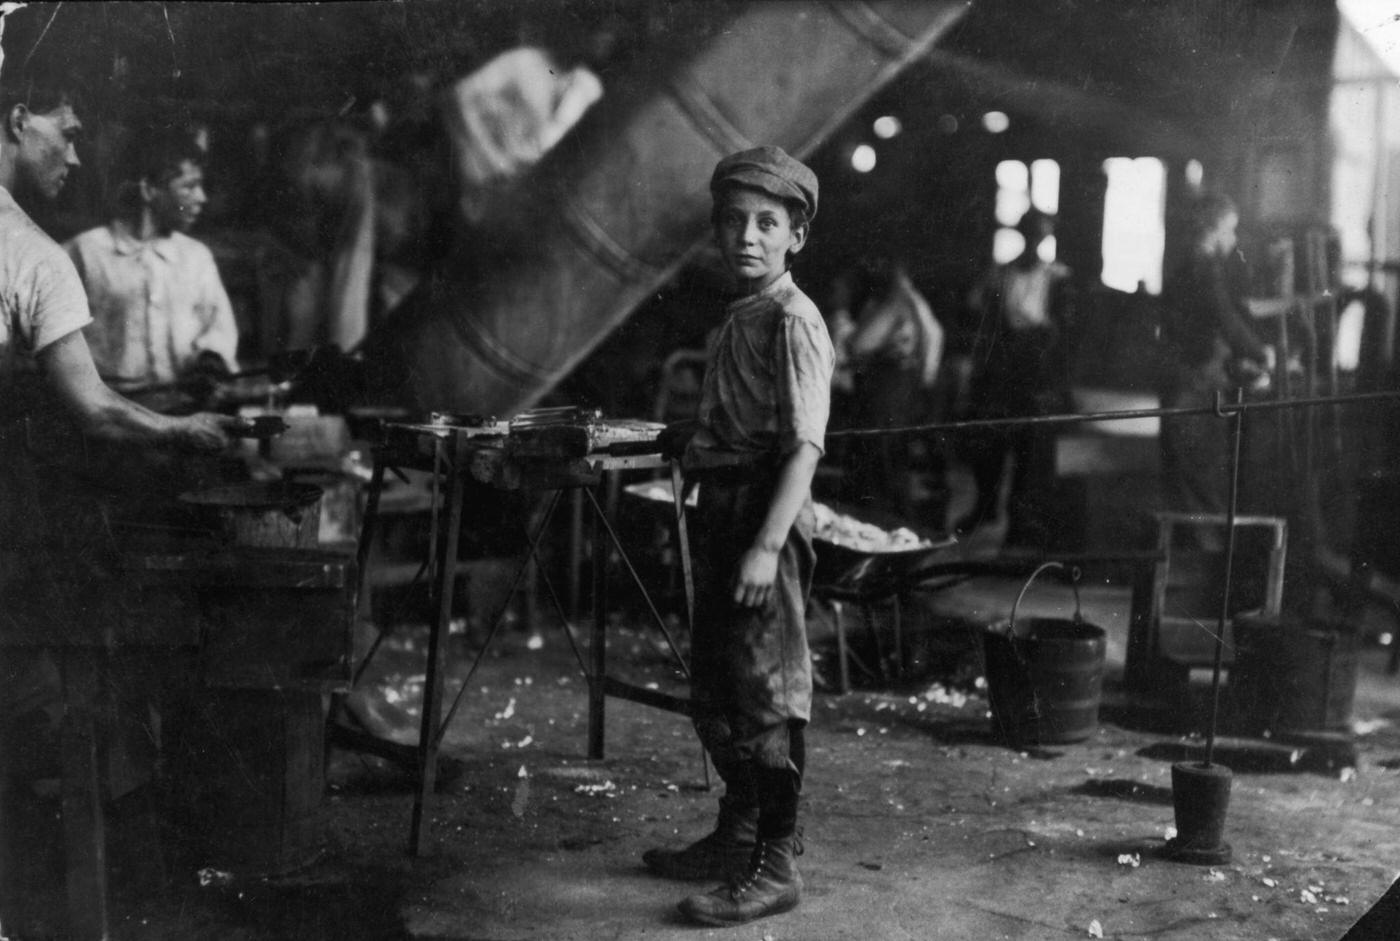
[(614, 217)]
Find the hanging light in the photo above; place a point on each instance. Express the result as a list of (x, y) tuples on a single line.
[(863, 158), (995, 122), (887, 126), (1195, 175)]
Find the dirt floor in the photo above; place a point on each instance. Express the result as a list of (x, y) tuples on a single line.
[(919, 822)]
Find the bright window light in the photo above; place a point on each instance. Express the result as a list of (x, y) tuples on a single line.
[(1013, 191), (1007, 246), (1019, 188), (863, 158), (1348, 343), (1045, 186), (1134, 228), (1011, 206), (995, 121), (887, 126), (1013, 175)]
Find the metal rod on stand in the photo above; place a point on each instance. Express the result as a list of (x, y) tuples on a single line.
[(1230, 514)]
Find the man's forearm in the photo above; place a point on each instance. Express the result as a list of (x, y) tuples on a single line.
[(68, 369), (109, 416)]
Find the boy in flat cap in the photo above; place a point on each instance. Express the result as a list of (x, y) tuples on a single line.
[(761, 431)]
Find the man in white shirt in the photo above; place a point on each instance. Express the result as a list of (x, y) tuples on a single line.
[(160, 311)]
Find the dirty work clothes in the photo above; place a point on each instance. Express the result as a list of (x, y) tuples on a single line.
[(751, 669), (1204, 307), (57, 561), (1019, 379), (41, 302), (767, 390), (156, 304), (768, 385), (1196, 449), (1019, 372), (1204, 326)]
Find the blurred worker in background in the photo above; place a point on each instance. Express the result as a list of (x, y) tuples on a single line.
[(895, 349), (160, 311), (1209, 345), (845, 295), (1018, 373)]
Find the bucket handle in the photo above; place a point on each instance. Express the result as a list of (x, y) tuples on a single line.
[(1073, 581)]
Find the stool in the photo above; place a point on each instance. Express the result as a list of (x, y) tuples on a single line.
[(1176, 633)]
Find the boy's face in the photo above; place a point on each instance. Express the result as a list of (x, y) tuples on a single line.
[(755, 235), (176, 201)]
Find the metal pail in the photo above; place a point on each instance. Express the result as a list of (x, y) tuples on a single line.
[(1044, 675)]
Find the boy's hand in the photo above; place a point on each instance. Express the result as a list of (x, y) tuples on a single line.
[(204, 375), (675, 436), (758, 571)]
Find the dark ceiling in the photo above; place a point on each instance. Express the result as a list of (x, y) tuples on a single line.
[(1089, 77), (1179, 58)]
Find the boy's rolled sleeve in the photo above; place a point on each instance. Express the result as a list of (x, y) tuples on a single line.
[(807, 362)]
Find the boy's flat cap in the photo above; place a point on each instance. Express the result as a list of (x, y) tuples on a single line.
[(771, 170)]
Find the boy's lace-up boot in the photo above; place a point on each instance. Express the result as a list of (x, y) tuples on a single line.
[(769, 885), (718, 856)]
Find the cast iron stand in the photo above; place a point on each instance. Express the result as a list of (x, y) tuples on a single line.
[(1201, 790)]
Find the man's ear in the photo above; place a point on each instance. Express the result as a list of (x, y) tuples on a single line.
[(16, 120)]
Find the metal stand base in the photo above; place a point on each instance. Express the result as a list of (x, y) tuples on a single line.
[(1177, 852)]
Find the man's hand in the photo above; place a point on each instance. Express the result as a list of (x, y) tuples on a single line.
[(67, 367), (206, 431), (758, 571)]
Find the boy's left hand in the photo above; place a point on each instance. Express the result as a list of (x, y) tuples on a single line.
[(675, 437), (758, 571)]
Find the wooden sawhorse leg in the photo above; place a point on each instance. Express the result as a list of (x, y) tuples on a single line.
[(428, 738), (598, 640)]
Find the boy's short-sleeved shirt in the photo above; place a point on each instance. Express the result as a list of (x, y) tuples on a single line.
[(768, 385)]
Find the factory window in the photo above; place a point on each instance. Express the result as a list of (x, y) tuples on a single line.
[(1134, 223), (1350, 323), (1021, 186)]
